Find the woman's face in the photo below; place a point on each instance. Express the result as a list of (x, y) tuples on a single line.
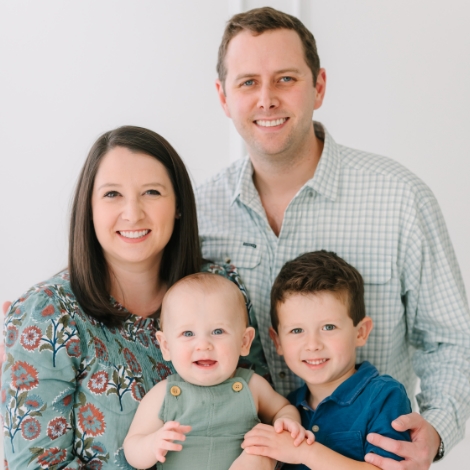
[(134, 209)]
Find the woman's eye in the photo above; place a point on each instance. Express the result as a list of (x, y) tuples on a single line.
[(153, 192), (111, 194), (329, 327), (218, 331), (296, 331), (188, 333)]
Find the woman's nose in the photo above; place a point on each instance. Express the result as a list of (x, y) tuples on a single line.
[(132, 211)]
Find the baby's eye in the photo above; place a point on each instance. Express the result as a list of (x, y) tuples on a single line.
[(218, 331), (296, 331), (188, 333), (329, 327), (111, 194)]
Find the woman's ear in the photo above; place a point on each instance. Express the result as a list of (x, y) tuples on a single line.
[(363, 328), (163, 345), (248, 337)]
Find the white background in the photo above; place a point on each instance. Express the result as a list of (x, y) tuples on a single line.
[(398, 85)]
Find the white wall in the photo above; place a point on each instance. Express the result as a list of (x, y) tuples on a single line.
[(398, 85)]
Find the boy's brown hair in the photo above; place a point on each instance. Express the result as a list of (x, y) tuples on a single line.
[(319, 271), (264, 19)]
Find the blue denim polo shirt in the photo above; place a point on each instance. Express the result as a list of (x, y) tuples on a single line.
[(366, 402)]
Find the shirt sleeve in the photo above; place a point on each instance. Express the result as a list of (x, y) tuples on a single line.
[(39, 382), (256, 359), (390, 402), (438, 323)]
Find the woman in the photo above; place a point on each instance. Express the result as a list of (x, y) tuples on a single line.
[(78, 361)]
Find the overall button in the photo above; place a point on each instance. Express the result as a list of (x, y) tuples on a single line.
[(228, 260), (315, 428), (237, 386), (175, 390)]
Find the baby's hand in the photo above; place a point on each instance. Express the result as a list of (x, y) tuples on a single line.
[(297, 431), (164, 437)]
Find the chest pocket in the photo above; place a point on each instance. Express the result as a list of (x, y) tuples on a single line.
[(349, 444), (374, 269), (232, 250)]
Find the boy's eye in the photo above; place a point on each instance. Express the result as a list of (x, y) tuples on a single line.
[(218, 331), (296, 331), (329, 327), (111, 194), (188, 333)]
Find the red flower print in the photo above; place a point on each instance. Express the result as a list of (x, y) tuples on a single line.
[(4, 395), (31, 337), (30, 428), (48, 311), (137, 391), (52, 456), (95, 465), (48, 292), (131, 361), (11, 336), (163, 371), (57, 427), (73, 348), (24, 376), (91, 420), (98, 382), (100, 348)]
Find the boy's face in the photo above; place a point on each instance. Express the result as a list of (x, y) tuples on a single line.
[(204, 334), (318, 340)]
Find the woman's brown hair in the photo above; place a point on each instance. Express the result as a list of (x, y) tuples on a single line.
[(89, 275)]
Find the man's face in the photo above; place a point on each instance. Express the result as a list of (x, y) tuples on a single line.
[(269, 92)]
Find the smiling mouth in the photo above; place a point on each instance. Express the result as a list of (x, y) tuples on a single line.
[(316, 362), (205, 362), (133, 234), (271, 123)]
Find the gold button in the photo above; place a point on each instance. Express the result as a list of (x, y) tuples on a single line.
[(228, 260), (315, 428), (282, 374), (237, 386), (175, 390)]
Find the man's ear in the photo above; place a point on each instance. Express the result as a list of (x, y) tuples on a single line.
[(163, 345), (275, 339), (363, 328), (248, 337), (320, 88), (222, 98)]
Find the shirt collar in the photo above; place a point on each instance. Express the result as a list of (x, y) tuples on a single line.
[(347, 392), (325, 181)]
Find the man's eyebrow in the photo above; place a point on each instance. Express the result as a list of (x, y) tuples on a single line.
[(277, 72)]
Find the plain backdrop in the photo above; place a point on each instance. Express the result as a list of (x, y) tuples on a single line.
[(398, 85)]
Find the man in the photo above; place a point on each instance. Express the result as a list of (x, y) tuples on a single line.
[(299, 191)]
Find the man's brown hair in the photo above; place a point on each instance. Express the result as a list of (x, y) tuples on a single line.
[(264, 19), (315, 272)]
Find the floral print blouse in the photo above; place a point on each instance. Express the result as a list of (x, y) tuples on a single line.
[(71, 385)]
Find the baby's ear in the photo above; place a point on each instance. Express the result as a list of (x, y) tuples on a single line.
[(363, 328), (275, 339), (248, 337), (163, 345)]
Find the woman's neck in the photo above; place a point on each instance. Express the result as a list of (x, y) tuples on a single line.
[(139, 290)]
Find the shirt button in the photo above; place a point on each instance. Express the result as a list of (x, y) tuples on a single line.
[(175, 391), (282, 374), (237, 386), (315, 428)]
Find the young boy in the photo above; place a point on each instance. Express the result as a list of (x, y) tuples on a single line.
[(209, 404), (318, 320)]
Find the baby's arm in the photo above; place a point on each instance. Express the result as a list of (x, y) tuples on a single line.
[(276, 409), (149, 439)]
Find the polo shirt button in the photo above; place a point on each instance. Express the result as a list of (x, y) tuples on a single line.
[(237, 386), (315, 428), (228, 260), (175, 391), (282, 374)]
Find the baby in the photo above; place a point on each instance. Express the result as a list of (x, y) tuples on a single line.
[(318, 320), (210, 403)]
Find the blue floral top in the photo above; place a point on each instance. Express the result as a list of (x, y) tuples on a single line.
[(71, 385)]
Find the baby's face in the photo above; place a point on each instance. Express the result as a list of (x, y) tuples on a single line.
[(204, 334)]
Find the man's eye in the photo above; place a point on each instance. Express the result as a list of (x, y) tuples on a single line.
[(188, 333), (296, 331), (286, 79), (153, 192), (218, 331), (249, 83), (111, 194), (329, 327)]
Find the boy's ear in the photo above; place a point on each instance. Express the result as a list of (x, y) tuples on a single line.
[(275, 338), (163, 345), (248, 337), (363, 328)]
